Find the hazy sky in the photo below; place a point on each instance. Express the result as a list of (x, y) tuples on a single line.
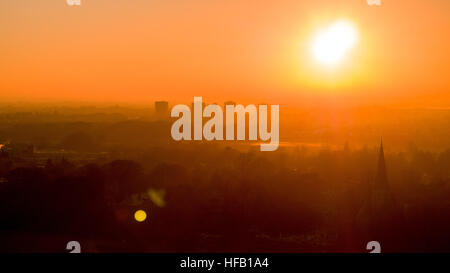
[(249, 51)]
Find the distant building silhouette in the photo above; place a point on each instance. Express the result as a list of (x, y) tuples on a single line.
[(17, 149), (380, 186), (346, 148), (379, 215), (161, 110)]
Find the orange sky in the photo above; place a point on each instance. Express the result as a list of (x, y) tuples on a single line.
[(247, 51)]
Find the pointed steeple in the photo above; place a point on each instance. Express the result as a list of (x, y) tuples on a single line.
[(381, 177)]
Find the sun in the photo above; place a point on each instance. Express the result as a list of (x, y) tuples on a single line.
[(332, 44)]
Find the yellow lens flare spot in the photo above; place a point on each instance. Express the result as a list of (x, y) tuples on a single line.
[(332, 44), (140, 215), (157, 196)]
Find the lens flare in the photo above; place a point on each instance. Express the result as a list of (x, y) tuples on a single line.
[(140, 216)]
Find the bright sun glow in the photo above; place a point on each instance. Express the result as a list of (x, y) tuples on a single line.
[(333, 43), (140, 215)]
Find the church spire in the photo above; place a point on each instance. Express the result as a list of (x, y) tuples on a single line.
[(381, 177)]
